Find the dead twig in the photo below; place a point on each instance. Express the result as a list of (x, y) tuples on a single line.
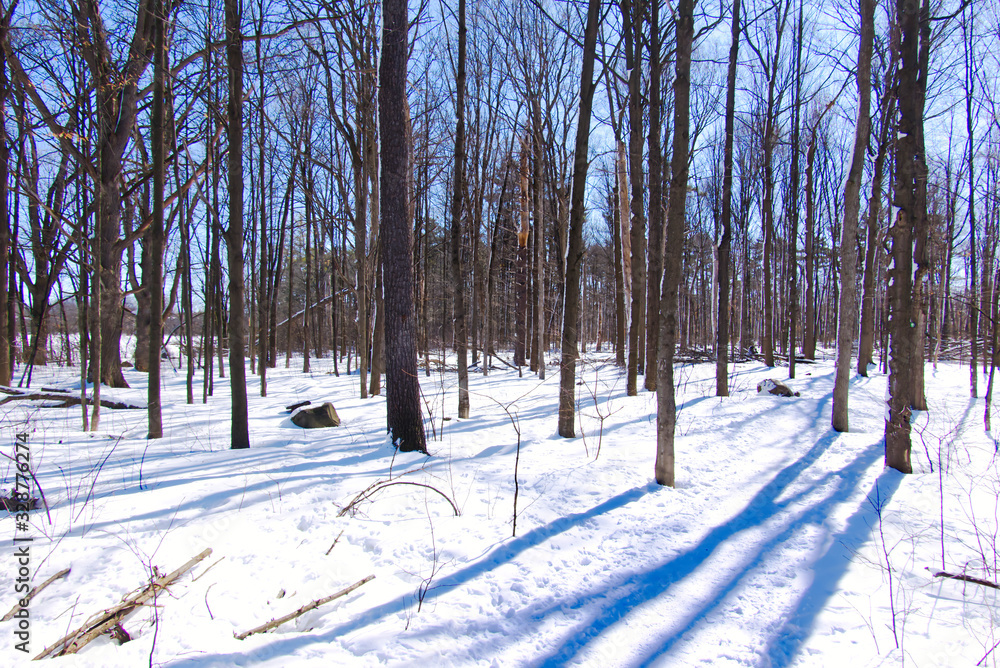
[(106, 620), (378, 486), (34, 592), (303, 610), (334, 543)]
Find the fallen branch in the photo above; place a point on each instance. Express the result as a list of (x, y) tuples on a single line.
[(303, 610), (967, 578), (34, 592), (371, 489), (65, 401), (106, 620)]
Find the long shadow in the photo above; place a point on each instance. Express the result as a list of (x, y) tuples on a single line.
[(618, 599), (501, 554), (827, 572)]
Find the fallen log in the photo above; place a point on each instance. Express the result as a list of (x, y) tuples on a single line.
[(65, 401), (106, 620), (303, 610), (34, 592)]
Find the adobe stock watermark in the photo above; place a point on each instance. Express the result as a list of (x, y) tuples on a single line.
[(22, 542)]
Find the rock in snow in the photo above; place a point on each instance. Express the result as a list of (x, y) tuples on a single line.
[(316, 417), (775, 387)]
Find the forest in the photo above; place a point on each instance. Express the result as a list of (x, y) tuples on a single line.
[(205, 201), (727, 200)]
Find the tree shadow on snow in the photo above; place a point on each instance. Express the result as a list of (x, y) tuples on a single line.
[(618, 599)]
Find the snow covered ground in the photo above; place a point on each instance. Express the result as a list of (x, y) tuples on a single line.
[(784, 543)]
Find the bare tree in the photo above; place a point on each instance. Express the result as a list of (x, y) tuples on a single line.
[(846, 325), (240, 430), (655, 270), (632, 12), (403, 414), (897, 423), (725, 242), (574, 258), (154, 283), (458, 206), (666, 406)]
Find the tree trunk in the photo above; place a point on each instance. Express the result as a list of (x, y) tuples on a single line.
[(722, 339), (240, 432), (866, 340), (793, 205), (846, 325), (403, 414), (6, 368), (921, 298), (655, 272), (809, 335), (154, 284), (632, 11), (974, 283), (619, 268), (538, 349), (666, 406), (574, 256), (768, 203), (458, 207), (521, 305), (897, 423)]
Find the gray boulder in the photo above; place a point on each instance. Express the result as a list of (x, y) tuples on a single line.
[(775, 387), (316, 417)]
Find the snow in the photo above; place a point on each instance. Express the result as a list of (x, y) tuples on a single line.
[(784, 543)]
